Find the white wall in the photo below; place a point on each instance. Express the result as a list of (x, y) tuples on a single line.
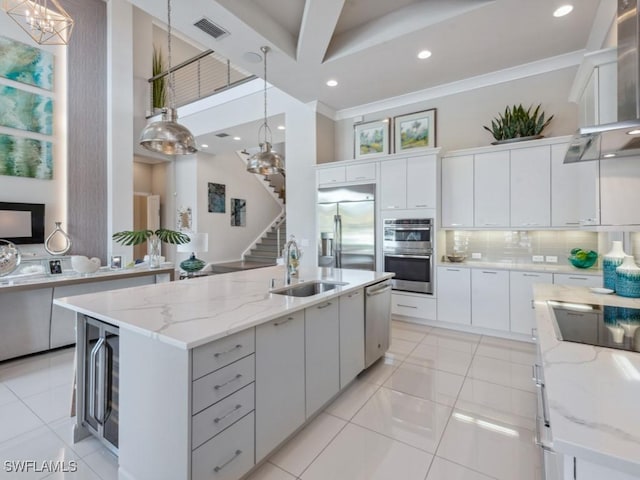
[(460, 117), (227, 243), (53, 193)]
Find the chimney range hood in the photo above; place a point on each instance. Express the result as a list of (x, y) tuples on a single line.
[(622, 138)]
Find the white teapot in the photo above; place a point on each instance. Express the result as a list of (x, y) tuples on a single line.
[(82, 264)]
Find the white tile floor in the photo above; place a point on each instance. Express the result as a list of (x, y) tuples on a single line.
[(442, 405)]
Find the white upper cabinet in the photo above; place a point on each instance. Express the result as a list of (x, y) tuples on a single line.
[(393, 184), (531, 187), (421, 182), (327, 176), (574, 190), (457, 191), (491, 187), (619, 192), (361, 172)]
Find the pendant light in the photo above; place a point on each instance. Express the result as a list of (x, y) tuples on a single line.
[(167, 136), (266, 161), (44, 20)]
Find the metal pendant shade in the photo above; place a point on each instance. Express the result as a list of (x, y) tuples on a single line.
[(266, 161), (44, 20), (167, 136)]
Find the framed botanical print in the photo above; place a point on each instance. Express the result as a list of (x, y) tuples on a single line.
[(415, 131), (371, 138)]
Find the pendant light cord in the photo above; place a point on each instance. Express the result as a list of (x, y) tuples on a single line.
[(172, 100), (265, 125)]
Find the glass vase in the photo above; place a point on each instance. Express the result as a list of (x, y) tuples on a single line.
[(610, 262), (57, 237), (154, 252), (628, 278)]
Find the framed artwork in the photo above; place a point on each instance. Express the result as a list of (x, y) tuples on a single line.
[(55, 267), (25, 110), (238, 212), (26, 157), (415, 131), (371, 138), (26, 64), (217, 198), (116, 262)]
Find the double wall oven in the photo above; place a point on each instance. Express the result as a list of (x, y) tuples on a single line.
[(408, 252)]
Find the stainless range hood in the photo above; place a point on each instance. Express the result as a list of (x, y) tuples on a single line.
[(622, 138)]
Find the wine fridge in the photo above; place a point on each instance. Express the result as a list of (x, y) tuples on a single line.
[(97, 381)]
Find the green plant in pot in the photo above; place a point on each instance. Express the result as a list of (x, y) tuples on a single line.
[(154, 237), (516, 123), (159, 86)]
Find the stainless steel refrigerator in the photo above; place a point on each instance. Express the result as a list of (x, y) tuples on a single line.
[(346, 222)]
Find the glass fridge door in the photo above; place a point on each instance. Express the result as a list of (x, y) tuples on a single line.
[(110, 410)]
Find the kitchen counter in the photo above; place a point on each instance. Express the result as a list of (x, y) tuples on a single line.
[(191, 313), (524, 267), (593, 392)]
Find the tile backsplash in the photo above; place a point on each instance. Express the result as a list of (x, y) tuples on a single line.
[(521, 246)]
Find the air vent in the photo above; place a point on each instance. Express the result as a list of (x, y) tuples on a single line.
[(222, 135), (210, 28)]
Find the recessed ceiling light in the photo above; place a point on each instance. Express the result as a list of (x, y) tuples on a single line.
[(424, 54), (563, 10), (635, 131), (281, 127), (252, 57), (332, 83), (237, 138), (204, 145)]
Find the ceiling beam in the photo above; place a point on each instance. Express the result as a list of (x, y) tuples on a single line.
[(319, 21)]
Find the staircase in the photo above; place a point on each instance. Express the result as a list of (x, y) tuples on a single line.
[(266, 250)]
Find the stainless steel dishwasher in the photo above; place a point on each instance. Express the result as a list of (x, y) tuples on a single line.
[(377, 321)]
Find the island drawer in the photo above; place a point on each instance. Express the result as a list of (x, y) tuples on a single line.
[(211, 421), (227, 456), (215, 355), (222, 383)]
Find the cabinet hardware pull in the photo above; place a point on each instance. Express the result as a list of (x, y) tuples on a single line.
[(237, 377), (538, 440), (536, 378), (572, 223), (406, 306), (531, 275), (533, 307), (218, 419), (288, 319), (534, 333), (328, 304), (490, 224), (373, 293), (236, 454), (217, 354), (362, 177), (577, 278), (453, 269), (492, 273), (424, 205), (354, 294)]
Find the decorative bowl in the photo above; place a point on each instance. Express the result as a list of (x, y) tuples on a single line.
[(583, 259), (82, 264), (9, 257), (456, 258)]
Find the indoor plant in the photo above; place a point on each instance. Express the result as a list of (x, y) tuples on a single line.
[(159, 89), (518, 124), (136, 237)]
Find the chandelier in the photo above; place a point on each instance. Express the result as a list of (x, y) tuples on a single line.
[(266, 161), (44, 20), (167, 136)]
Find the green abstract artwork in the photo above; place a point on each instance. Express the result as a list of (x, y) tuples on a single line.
[(26, 64), (26, 157), (25, 111)]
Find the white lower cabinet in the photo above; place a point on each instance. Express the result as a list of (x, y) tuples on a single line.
[(280, 382), (415, 305), (585, 470), (322, 354), (522, 313), (454, 295), (490, 299), (351, 336), (577, 279)]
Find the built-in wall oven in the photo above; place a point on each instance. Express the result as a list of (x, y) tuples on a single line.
[(408, 252)]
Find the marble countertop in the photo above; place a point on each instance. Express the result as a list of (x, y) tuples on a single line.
[(196, 311), (41, 280), (593, 392), (524, 267)]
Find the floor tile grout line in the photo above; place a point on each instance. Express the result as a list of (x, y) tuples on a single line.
[(466, 467)]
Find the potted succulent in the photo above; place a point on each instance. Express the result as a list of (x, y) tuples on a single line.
[(136, 237), (517, 124)]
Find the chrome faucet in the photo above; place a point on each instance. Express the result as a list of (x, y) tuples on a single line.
[(291, 254)]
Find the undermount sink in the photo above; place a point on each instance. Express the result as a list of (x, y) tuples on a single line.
[(308, 289)]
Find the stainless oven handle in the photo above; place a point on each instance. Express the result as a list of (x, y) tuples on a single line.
[(408, 256), (337, 235), (404, 229), (92, 377)]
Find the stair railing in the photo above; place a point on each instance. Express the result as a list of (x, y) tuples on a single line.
[(199, 77)]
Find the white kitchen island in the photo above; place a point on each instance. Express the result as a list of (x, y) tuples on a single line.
[(593, 392), (216, 372)]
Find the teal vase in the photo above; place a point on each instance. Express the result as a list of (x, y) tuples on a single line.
[(610, 262), (628, 278)]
